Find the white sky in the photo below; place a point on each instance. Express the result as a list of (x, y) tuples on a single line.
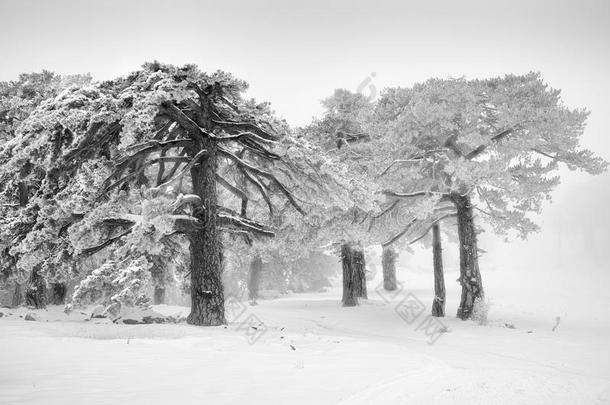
[(294, 54)]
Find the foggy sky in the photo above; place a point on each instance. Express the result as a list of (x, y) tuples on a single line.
[(294, 54)]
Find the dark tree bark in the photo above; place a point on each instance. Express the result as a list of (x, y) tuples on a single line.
[(58, 291), (23, 194), (207, 295), (360, 273), (438, 305), (470, 276), (18, 295), (350, 297), (159, 295), (256, 267), (36, 290), (388, 263)]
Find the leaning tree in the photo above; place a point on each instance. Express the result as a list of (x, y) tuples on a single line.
[(489, 146)]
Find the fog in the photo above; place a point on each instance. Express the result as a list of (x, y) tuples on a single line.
[(293, 55)]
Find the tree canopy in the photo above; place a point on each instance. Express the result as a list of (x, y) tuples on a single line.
[(170, 172)]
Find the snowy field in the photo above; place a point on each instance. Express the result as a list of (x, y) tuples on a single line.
[(314, 351)]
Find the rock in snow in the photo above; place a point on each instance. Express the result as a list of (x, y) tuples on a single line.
[(30, 316), (98, 312)]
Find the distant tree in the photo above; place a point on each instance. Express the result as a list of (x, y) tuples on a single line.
[(438, 304), (388, 263), (343, 134), (350, 133), (330, 195)]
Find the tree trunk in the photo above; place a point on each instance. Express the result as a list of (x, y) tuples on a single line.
[(256, 267), (18, 295), (470, 277), (36, 290), (360, 273), (159, 295), (207, 295), (349, 278), (23, 194), (438, 305), (388, 263), (58, 291)]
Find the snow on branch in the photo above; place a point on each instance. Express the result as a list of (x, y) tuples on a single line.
[(246, 166), (187, 199), (544, 153), (261, 188), (127, 221), (406, 195), (258, 149), (229, 126), (245, 224), (244, 135), (382, 213), (94, 249), (240, 232), (186, 168), (399, 234), (498, 137), (453, 214), (184, 121), (241, 194), (414, 160), (186, 224), (74, 218)]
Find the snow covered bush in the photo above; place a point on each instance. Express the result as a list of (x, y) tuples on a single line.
[(480, 310), (117, 286)]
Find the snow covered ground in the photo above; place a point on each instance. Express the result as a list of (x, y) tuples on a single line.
[(307, 349)]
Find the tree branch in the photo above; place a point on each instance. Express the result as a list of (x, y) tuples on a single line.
[(183, 120), (243, 127), (188, 199), (153, 146), (186, 168), (450, 143), (74, 218), (94, 249), (406, 195), (544, 153), (241, 232), (245, 134), (245, 224), (259, 149), (382, 213), (399, 234), (261, 188), (262, 173), (415, 160), (495, 138), (230, 187), (186, 224), (174, 167), (453, 214)]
